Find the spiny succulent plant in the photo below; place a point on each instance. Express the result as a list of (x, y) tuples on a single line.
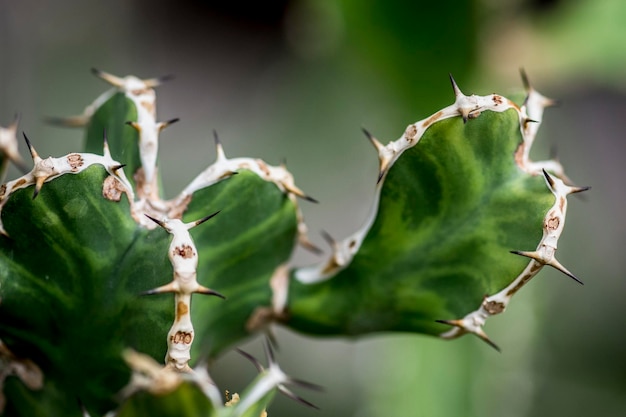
[(88, 261)]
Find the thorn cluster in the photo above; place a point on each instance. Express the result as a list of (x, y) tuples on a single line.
[(270, 378), (45, 170), (184, 259), (553, 223), (224, 167), (468, 108)]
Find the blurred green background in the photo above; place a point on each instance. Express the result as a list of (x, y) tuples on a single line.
[(296, 80)]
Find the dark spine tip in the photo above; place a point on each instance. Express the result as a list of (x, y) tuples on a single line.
[(216, 138), (492, 344), (210, 216), (251, 358), (380, 176), (524, 76), (160, 223), (548, 178), (328, 238), (165, 78), (311, 199), (572, 276), (269, 352), (212, 292), (296, 398), (452, 81), (30, 147)]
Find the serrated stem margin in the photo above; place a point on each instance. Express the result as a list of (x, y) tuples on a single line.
[(469, 107)]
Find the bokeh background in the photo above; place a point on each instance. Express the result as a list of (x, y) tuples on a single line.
[(296, 80)]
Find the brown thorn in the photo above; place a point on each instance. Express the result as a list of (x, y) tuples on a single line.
[(483, 336), (309, 198), (160, 290), (285, 391), (71, 121), (456, 89), (202, 220), (208, 291), (557, 265), (105, 137), (372, 139), (252, 359), (135, 125), (159, 222), (549, 178), (32, 150), (271, 338), (525, 81), (306, 384), (38, 186), (116, 167), (381, 174), (109, 78), (163, 125), (16, 121), (155, 82), (308, 245), (298, 192), (574, 190), (454, 323), (328, 238), (269, 352), (219, 149)]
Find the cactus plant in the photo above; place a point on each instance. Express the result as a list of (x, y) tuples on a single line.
[(89, 261)]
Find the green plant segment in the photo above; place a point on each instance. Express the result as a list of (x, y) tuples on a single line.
[(103, 282)]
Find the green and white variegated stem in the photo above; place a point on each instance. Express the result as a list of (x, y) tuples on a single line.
[(545, 254), (45, 170), (140, 92), (311, 290), (467, 107), (224, 167)]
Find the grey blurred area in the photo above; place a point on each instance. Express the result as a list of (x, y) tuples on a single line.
[(296, 81)]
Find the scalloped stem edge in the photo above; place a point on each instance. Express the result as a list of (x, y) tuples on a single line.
[(466, 107), (545, 254)]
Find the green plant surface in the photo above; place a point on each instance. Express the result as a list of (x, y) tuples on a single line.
[(451, 210), (82, 249)]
